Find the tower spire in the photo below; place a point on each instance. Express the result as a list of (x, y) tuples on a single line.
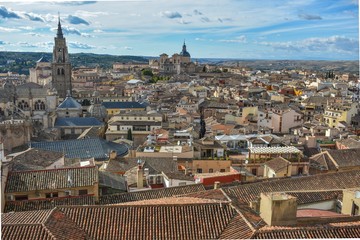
[(59, 30)]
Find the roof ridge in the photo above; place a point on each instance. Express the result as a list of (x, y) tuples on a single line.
[(54, 169)]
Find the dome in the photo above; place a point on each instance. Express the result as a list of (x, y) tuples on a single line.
[(184, 53)]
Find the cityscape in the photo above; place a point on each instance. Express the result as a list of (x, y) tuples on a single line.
[(180, 120)]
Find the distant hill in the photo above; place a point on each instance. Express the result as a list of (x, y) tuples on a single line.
[(21, 61), (314, 65)]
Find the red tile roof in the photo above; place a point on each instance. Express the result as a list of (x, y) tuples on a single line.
[(187, 221), (41, 224)]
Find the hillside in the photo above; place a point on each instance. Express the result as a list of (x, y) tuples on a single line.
[(26, 60)]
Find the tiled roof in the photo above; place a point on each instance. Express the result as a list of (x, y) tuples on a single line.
[(77, 122), (122, 105), (41, 224), (41, 204), (304, 197), (340, 180), (345, 230), (150, 194), (349, 142), (277, 164), (69, 102), (112, 180), (34, 158), (346, 157), (187, 221), (26, 181), (83, 148)]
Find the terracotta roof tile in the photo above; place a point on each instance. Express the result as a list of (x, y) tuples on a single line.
[(187, 221), (51, 179), (150, 194), (49, 203), (41, 224)]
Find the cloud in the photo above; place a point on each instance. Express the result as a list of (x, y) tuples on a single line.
[(182, 21), (98, 31), (34, 34), (205, 19), (309, 17), (7, 13), (77, 20), (239, 39), (26, 44), (4, 29), (27, 28), (197, 12), (128, 48), (169, 14), (80, 45), (332, 44), (75, 3), (70, 30), (34, 17), (225, 20)]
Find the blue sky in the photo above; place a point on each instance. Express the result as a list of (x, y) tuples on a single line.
[(242, 29)]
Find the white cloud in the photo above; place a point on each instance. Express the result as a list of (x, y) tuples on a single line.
[(239, 39), (332, 44), (170, 14), (128, 48), (4, 29), (80, 45)]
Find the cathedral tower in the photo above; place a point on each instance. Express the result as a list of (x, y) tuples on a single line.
[(61, 66)]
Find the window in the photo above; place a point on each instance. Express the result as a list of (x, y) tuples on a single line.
[(67, 193), (52, 195), (254, 171), (211, 170), (151, 180), (158, 180), (83, 192), (199, 170), (222, 170), (21, 197), (300, 171)]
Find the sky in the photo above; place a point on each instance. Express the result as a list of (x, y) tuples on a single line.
[(239, 29)]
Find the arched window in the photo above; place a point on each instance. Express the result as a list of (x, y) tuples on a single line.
[(62, 72), (58, 71), (23, 105), (39, 105)]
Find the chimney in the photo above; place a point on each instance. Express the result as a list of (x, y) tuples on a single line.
[(140, 175), (278, 209), (113, 155), (216, 185)]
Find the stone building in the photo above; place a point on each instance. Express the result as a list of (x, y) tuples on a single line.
[(178, 63), (41, 74)]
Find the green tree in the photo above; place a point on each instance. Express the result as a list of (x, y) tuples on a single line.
[(129, 135), (147, 72)]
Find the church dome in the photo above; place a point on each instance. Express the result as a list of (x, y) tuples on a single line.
[(184, 52)]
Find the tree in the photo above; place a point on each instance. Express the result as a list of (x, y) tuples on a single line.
[(129, 135), (202, 124)]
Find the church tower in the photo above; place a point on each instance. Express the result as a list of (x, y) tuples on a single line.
[(61, 66)]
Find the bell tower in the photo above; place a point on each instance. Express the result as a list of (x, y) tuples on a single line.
[(61, 66)]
